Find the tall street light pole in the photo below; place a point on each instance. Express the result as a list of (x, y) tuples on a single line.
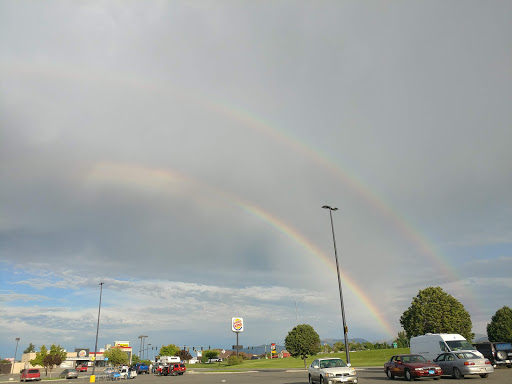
[(147, 350), (345, 329), (141, 350), (97, 331), (15, 353)]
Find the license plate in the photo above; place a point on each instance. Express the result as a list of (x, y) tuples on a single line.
[(431, 372)]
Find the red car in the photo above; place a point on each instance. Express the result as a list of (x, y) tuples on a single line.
[(177, 369), (81, 368), (30, 374), (411, 367)]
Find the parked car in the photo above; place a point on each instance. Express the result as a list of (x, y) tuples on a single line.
[(69, 374), (172, 369), (81, 368), (127, 373), (331, 370), (499, 353), (411, 367), (30, 374), (177, 369), (132, 374), (214, 360), (462, 363)]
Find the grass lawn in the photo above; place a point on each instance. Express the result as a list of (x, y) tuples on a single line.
[(373, 358)]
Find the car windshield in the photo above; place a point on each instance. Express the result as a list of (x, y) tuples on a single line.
[(414, 359), (332, 363), (457, 345), (503, 346)]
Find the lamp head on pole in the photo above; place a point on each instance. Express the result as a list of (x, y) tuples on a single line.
[(330, 208)]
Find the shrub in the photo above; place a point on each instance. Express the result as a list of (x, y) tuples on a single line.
[(234, 360)]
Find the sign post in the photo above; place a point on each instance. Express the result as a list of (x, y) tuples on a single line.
[(237, 326)]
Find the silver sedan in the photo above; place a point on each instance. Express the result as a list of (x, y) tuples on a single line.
[(460, 363)]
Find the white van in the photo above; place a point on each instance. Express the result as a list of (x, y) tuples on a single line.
[(432, 345)]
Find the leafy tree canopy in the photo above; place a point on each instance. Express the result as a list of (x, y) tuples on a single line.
[(435, 311), (169, 350), (338, 346), (209, 354), (302, 341), (38, 360), (500, 327), (31, 348), (401, 340), (49, 359), (184, 355), (116, 356)]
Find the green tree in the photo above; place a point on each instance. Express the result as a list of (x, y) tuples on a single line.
[(169, 350), (302, 341), (500, 327), (135, 359), (39, 359), (435, 311), (54, 358), (368, 345), (209, 354), (49, 359), (338, 346), (116, 356), (401, 340), (31, 348)]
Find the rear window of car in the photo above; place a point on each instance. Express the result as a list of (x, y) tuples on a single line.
[(33, 370), (503, 346)]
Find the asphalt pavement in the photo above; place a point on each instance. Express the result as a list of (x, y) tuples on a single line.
[(371, 375)]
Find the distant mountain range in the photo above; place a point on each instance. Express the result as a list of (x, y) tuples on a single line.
[(332, 341)]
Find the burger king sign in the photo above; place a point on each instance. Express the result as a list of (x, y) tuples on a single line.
[(237, 324)]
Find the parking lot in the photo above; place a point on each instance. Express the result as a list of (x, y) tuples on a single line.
[(374, 375)]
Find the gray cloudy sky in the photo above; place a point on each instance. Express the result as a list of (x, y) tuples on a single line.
[(181, 151)]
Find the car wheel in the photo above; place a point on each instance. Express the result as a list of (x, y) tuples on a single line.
[(457, 373), (408, 375), (484, 375), (389, 374), (502, 355), (310, 380)]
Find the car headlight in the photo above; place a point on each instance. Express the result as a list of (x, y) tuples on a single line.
[(418, 369), (327, 374)]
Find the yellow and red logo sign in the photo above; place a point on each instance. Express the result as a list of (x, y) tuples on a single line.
[(237, 324)]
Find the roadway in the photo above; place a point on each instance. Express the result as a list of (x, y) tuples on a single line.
[(374, 375)]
